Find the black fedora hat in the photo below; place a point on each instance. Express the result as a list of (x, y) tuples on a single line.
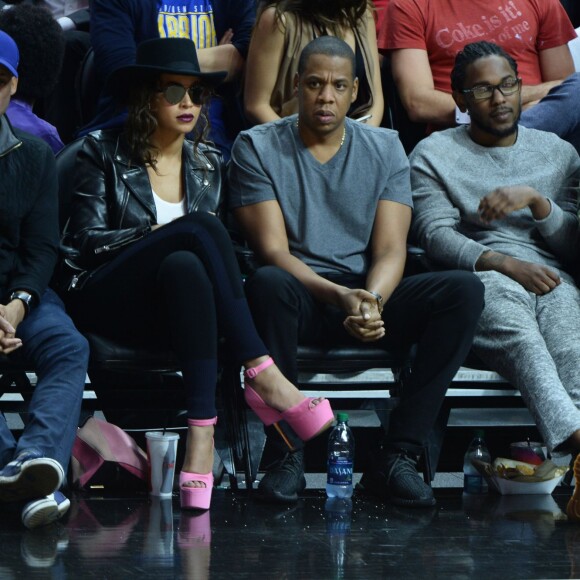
[(161, 55)]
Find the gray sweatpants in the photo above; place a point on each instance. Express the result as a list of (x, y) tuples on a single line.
[(534, 343)]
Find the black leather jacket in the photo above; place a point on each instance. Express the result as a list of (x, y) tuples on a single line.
[(112, 203)]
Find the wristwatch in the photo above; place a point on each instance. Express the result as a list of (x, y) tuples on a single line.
[(379, 300), (25, 297)]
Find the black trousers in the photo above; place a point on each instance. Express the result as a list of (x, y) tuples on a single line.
[(176, 289), (436, 311)]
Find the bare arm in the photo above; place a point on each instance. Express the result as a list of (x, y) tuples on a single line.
[(388, 251), (264, 59), (222, 57), (388, 247), (263, 226), (414, 80), (556, 64)]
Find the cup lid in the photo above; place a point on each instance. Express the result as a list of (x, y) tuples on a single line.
[(165, 435)]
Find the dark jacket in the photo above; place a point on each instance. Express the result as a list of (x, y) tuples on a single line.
[(112, 205), (28, 213)]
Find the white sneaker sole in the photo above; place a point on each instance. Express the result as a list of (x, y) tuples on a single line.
[(44, 512), (37, 478)]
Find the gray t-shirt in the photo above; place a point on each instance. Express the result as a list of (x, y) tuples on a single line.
[(329, 208)]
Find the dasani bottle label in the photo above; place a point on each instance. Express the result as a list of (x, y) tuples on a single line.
[(340, 471)]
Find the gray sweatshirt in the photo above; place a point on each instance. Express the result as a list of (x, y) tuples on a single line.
[(450, 174)]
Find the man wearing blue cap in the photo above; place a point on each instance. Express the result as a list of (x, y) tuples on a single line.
[(33, 324)]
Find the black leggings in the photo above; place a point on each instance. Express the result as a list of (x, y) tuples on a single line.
[(175, 290)]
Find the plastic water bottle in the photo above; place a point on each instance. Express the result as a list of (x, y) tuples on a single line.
[(340, 459), (473, 481)]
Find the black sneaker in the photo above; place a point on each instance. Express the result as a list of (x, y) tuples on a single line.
[(395, 477), (284, 480)]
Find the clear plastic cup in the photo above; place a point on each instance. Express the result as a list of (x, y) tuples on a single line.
[(161, 454)]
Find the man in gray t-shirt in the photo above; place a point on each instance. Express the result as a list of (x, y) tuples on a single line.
[(328, 208), (325, 203)]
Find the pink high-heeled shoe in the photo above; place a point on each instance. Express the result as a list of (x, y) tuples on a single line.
[(306, 418), (196, 497)]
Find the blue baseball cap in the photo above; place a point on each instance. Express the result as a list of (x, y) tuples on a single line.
[(9, 54)]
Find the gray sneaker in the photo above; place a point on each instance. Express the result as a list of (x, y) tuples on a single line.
[(284, 480), (395, 477)]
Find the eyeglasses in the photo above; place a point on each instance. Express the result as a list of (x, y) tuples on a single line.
[(507, 87), (174, 93)]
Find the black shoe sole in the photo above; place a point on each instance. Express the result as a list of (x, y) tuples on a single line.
[(374, 486), (413, 503), (275, 496)]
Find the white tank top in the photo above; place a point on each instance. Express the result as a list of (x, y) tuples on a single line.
[(168, 211)]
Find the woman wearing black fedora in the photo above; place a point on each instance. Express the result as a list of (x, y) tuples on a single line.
[(153, 263)]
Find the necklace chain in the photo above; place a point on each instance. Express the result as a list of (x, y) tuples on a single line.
[(341, 139)]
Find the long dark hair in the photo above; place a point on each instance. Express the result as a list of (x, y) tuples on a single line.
[(141, 122), (327, 16)]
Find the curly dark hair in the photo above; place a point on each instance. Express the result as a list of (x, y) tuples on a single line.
[(327, 16), (141, 122), (40, 42), (472, 52)]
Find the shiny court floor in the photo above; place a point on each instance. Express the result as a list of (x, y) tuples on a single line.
[(136, 537)]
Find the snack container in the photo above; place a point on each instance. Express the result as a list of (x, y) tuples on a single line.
[(509, 487)]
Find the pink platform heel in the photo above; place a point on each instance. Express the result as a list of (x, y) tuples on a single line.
[(196, 497), (306, 418)]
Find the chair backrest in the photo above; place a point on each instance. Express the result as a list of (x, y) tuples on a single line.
[(88, 88), (65, 169)]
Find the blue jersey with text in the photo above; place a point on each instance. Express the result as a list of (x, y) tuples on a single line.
[(188, 19)]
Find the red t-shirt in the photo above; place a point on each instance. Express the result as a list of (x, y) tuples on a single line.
[(380, 13), (443, 27)]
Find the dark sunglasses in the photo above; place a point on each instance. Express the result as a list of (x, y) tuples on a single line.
[(174, 93)]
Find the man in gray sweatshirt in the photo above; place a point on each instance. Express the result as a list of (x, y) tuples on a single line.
[(501, 200)]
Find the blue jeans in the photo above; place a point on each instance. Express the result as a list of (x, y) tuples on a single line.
[(558, 112), (59, 354)]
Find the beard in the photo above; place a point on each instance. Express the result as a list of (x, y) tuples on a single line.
[(484, 125)]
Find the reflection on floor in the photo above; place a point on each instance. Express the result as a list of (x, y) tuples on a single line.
[(463, 537)]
